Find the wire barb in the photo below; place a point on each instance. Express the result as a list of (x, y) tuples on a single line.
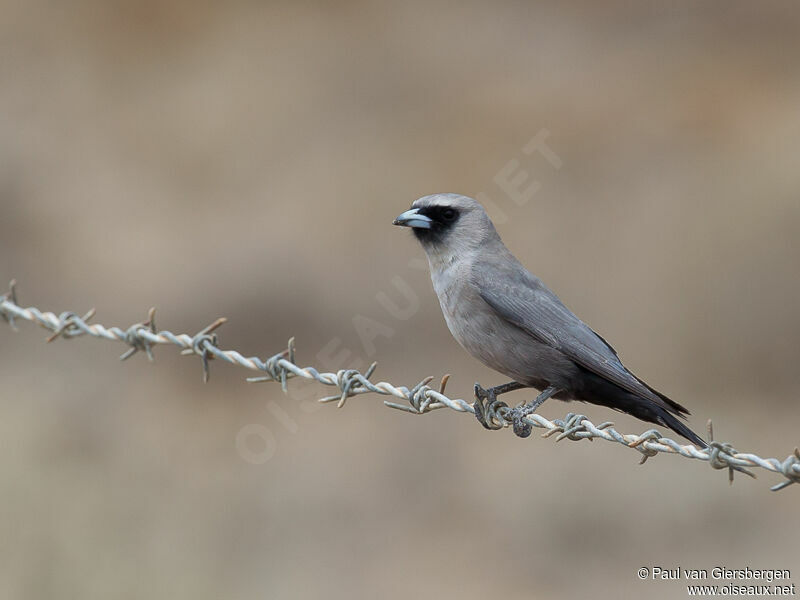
[(420, 399), (12, 297)]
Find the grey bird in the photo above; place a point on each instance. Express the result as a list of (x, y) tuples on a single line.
[(509, 320)]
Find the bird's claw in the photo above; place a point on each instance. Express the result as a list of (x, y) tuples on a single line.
[(486, 406), (521, 428)]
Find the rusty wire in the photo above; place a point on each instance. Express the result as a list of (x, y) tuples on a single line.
[(419, 399)]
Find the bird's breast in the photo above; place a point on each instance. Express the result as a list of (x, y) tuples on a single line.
[(474, 325), (494, 341)]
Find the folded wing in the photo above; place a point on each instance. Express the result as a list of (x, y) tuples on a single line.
[(522, 299)]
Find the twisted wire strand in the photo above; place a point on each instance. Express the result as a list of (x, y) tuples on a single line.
[(419, 399)]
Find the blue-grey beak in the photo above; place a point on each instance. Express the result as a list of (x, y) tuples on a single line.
[(413, 218)]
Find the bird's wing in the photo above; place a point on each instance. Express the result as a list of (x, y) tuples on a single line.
[(522, 299)]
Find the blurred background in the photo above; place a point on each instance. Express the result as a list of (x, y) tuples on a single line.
[(245, 159)]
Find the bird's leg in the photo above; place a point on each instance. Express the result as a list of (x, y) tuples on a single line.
[(518, 414), (486, 401)]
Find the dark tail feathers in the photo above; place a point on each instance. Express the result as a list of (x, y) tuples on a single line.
[(605, 393), (667, 419)]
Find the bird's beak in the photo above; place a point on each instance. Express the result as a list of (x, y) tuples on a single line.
[(413, 218)]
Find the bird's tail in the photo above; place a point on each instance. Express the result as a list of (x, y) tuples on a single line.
[(665, 418), (664, 413), (649, 411)]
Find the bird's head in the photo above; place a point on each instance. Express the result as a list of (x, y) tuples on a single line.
[(448, 224)]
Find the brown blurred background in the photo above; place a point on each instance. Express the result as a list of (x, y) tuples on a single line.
[(246, 159)]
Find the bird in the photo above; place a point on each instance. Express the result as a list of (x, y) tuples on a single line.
[(508, 319)]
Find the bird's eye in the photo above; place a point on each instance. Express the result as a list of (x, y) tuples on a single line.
[(448, 214)]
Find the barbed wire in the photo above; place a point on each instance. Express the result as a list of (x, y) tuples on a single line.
[(419, 399)]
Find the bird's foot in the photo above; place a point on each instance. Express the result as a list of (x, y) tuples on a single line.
[(486, 406), (517, 415)]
